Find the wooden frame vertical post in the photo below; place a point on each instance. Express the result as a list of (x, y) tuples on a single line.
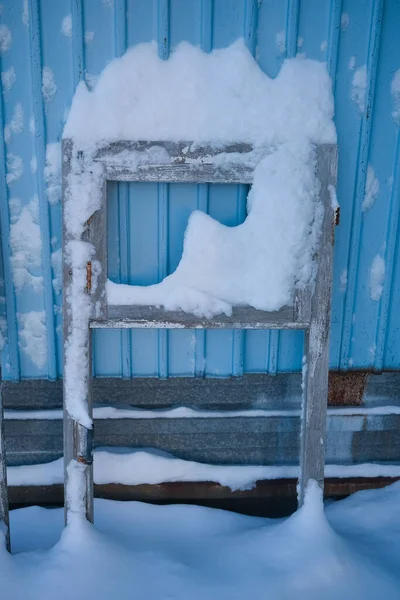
[(316, 345), (4, 516), (78, 439)]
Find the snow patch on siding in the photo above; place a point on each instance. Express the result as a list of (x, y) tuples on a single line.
[(376, 278), (359, 87), (324, 46), (66, 26), (8, 78), (32, 128), (5, 38), (280, 40), (52, 172), (16, 125), (25, 244), (56, 264), (33, 336), (33, 164), (344, 21), (343, 280), (49, 87), (371, 189), (395, 89), (300, 41), (15, 168), (352, 63), (89, 37), (25, 12)]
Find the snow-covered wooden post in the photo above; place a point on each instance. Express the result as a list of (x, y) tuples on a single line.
[(4, 518), (84, 255), (316, 347)]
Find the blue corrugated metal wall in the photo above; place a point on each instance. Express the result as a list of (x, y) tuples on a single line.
[(69, 39)]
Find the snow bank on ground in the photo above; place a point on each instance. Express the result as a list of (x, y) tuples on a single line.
[(136, 467), (349, 551)]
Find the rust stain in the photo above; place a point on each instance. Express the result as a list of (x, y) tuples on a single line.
[(347, 389), (88, 276), (336, 217)]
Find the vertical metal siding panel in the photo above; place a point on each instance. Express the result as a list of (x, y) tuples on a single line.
[(333, 39), (183, 25), (123, 199), (103, 39), (361, 172), (388, 322), (20, 146), (181, 344), (378, 231), (387, 353), (142, 211), (206, 43), (282, 343), (227, 26), (163, 52), (250, 22), (143, 248), (353, 46), (10, 355)]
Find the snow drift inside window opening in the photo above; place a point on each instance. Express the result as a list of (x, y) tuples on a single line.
[(218, 98)]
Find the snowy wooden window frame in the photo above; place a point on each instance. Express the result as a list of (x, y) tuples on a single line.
[(310, 310)]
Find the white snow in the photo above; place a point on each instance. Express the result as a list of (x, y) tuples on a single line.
[(352, 63), (49, 87), (349, 551), (395, 89), (56, 265), (66, 26), (238, 101), (359, 87), (15, 168), (343, 280), (25, 244), (138, 467), (33, 164), (91, 80), (300, 41), (25, 12), (344, 21), (184, 412), (32, 336), (376, 278), (89, 37), (281, 41), (8, 78), (32, 125), (16, 124), (5, 38), (52, 172), (323, 46), (371, 189)]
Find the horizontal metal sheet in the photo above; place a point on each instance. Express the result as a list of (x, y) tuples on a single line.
[(236, 440), (360, 42)]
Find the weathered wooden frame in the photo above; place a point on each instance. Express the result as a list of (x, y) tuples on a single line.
[(310, 310)]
